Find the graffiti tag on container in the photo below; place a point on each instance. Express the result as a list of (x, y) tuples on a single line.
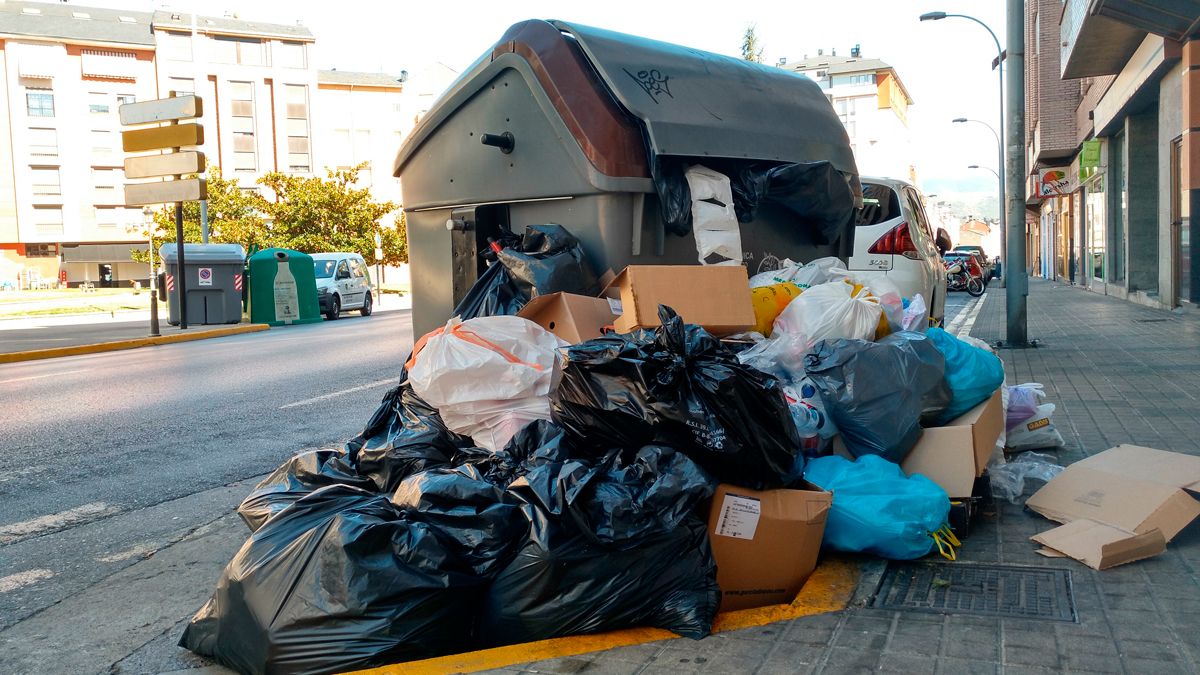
[(653, 82)]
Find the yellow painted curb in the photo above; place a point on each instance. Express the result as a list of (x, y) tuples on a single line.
[(55, 352), (829, 589)]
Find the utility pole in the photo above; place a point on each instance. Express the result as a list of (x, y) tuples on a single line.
[(1017, 279)]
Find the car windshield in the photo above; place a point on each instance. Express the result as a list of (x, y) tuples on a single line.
[(880, 204), (325, 268)]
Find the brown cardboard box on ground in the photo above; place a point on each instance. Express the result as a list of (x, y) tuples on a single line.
[(574, 318), (715, 297), (1120, 505), (954, 455), (765, 542)]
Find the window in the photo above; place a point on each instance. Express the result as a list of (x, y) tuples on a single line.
[(289, 55), (43, 142), (175, 46), (41, 250), (102, 141), (299, 152), (48, 219), (126, 19), (125, 99), (106, 216), (356, 269), (106, 179), (863, 78), (343, 271), (45, 180), (182, 86), (39, 102), (245, 51), (880, 204), (98, 102), (81, 15), (342, 152), (245, 148)]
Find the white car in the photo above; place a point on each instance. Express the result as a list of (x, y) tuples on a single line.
[(343, 283), (892, 236)]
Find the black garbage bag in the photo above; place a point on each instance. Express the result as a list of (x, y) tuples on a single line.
[(815, 192), (611, 544), (549, 259), (878, 392), (405, 436), (678, 386), (342, 579), (674, 194), (296, 478)]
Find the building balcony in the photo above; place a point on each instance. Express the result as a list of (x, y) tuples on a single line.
[(1094, 43)]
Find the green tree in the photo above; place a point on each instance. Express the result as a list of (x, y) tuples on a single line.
[(233, 218), (331, 214), (751, 50)]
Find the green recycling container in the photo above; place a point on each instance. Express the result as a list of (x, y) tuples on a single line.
[(283, 287)]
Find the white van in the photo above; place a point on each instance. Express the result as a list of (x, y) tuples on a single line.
[(343, 283), (892, 236)]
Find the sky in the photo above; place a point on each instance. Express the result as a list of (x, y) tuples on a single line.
[(946, 65)]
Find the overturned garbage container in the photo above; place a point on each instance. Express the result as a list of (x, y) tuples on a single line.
[(283, 287), (593, 130), (213, 274)]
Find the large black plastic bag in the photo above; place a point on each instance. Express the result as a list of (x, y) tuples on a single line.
[(680, 387), (404, 436), (611, 544), (878, 392), (549, 259), (342, 579), (815, 192), (296, 478)]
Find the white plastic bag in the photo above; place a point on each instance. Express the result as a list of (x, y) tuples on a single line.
[(781, 355), (714, 222), (808, 410), (831, 310), (488, 377), (819, 271), (1036, 433), (883, 288), (1023, 400), (916, 315), (1008, 480)]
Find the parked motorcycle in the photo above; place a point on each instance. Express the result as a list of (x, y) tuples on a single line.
[(959, 278)]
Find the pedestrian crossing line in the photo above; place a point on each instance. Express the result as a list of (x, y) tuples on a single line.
[(14, 581), (54, 521), (829, 589)]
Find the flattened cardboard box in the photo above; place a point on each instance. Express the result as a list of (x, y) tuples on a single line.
[(1127, 494), (765, 542), (715, 297), (954, 455), (574, 318)]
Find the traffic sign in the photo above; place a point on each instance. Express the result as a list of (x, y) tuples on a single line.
[(162, 192), (378, 254), (160, 138), (174, 164), (162, 110)]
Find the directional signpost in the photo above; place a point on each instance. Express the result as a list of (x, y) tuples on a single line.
[(151, 134)]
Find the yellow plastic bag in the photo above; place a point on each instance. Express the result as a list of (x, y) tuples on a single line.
[(768, 302)]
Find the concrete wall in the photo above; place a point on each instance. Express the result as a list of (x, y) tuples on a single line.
[(1141, 210), (1170, 127)]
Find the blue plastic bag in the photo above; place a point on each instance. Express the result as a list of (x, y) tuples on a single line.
[(877, 509), (973, 374)]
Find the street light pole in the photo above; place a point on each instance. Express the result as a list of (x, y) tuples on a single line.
[(148, 216), (1015, 274), (1001, 206), (985, 168), (937, 16)]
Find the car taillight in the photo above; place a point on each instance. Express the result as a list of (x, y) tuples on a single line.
[(896, 241)]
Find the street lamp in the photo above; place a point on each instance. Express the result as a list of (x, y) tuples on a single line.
[(999, 178), (976, 166), (938, 16), (148, 222)]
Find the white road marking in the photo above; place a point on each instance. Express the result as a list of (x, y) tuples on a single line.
[(38, 377), (969, 314), (136, 552), (14, 581), (351, 390), (54, 521)]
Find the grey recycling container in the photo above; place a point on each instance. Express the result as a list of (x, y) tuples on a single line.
[(562, 123), (214, 282)]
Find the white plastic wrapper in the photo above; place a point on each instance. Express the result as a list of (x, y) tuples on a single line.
[(1036, 433), (1008, 480), (916, 315), (488, 377), (804, 275), (714, 222), (831, 310)]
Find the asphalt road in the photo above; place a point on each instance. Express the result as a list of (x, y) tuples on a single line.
[(118, 472)]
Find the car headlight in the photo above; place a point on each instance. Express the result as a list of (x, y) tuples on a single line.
[(323, 291)]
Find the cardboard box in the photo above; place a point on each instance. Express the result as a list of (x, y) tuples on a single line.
[(954, 455), (1120, 505), (765, 542), (574, 318), (715, 297)]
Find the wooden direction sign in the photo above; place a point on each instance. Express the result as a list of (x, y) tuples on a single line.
[(162, 110), (173, 164), (162, 192), (160, 138)]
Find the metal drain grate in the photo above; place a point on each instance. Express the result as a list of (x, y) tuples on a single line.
[(984, 590)]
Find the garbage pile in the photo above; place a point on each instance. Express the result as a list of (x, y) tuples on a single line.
[(537, 473)]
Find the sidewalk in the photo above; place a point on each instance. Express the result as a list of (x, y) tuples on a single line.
[(1119, 373)]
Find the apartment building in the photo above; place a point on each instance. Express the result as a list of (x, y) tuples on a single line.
[(872, 103), (65, 71), (1124, 186)]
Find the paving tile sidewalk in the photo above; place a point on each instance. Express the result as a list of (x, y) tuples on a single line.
[(1118, 373)]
